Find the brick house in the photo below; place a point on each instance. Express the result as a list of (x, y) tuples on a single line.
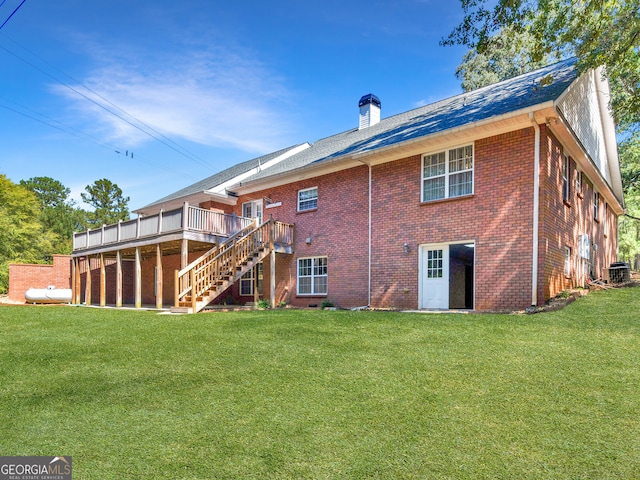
[(495, 199)]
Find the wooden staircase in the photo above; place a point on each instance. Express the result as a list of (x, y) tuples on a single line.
[(207, 277)]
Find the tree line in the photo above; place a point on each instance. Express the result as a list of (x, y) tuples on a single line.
[(38, 218), (506, 38)]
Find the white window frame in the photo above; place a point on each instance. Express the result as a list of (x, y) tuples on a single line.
[(446, 174), (255, 209), (248, 279), (578, 181), (604, 219), (316, 286), (310, 203), (596, 205), (567, 261), (566, 178)]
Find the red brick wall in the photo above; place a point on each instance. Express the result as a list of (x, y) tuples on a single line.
[(497, 217), (25, 276), (337, 229), (128, 281), (561, 223)]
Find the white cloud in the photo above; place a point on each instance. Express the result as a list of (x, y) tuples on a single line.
[(212, 96)]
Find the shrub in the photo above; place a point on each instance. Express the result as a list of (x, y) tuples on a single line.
[(264, 304)]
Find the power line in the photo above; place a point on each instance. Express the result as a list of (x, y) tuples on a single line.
[(160, 137), (50, 122), (9, 17)]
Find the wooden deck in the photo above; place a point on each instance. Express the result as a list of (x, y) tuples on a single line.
[(229, 245), (187, 223)]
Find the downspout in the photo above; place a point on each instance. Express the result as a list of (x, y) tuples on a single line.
[(369, 267), (536, 211), (369, 235)]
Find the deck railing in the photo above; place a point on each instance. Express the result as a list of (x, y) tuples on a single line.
[(188, 218), (225, 261)]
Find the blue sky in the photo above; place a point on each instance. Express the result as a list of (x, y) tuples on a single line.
[(189, 88)]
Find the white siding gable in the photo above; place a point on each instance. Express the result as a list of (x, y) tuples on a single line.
[(581, 107)]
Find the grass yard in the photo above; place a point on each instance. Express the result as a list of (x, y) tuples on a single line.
[(316, 394)]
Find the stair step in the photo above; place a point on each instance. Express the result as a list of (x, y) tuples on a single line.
[(180, 309)]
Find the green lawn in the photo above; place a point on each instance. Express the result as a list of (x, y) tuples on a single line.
[(317, 394)]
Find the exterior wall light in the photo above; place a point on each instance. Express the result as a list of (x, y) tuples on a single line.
[(406, 248)]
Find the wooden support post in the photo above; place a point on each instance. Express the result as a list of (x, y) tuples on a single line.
[(78, 282), (194, 292), (272, 282), (74, 266), (256, 295), (184, 253), (159, 276), (176, 290), (103, 282), (118, 279), (138, 280), (87, 290)]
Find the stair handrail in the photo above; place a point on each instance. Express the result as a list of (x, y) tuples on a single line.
[(198, 278), (216, 247), (225, 262)]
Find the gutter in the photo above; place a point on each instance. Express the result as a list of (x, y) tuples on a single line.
[(536, 211), (322, 163)]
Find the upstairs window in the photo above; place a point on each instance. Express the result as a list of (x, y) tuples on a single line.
[(596, 205), (566, 179), (447, 174), (578, 182), (307, 199)]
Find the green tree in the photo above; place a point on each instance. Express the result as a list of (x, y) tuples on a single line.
[(22, 235), (514, 36), (108, 202), (598, 32), (509, 57), (629, 224), (59, 214), (629, 152)]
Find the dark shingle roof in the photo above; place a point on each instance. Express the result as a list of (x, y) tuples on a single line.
[(220, 177), (533, 88)]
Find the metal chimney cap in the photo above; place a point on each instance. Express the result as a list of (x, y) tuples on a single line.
[(369, 99)]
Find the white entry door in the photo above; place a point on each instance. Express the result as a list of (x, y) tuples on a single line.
[(434, 276)]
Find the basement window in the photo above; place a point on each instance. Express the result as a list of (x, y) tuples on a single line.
[(247, 281), (447, 174), (312, 276)]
